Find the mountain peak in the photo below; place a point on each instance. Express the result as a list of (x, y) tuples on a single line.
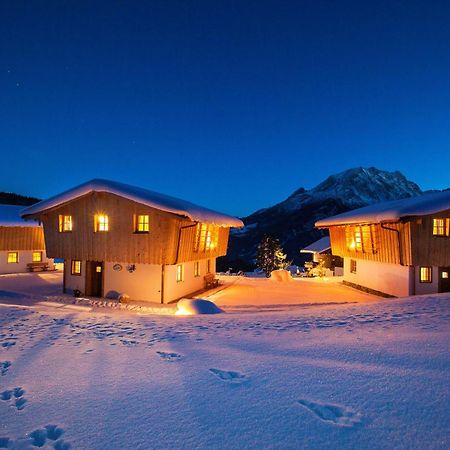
[(361, 186), (292, 220)]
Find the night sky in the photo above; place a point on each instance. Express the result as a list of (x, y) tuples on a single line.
[(232, 105)]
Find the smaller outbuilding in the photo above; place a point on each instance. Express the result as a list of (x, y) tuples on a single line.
[(22, 245), (321, 253), (317, 248)]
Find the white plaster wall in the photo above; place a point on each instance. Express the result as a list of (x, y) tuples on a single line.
[(427, 288), (145, 282), (174, 290), (73, 282), (142, 284), (392, 279), (25, 257)]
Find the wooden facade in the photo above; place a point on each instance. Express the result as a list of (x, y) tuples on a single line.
[(392, 243), (427, 249), (409, 243), (21, 238), (170, 240)]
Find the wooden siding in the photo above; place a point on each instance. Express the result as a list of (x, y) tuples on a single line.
[(187, 244), (121, 243), (387, 245), (429, 250), (21, 238)]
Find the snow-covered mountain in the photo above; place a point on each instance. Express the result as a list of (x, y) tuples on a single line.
[(292, 220)]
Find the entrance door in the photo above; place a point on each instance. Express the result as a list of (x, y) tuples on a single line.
[(444, 279), (94, 278)]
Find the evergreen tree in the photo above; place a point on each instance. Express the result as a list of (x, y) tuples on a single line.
[(270, 256)]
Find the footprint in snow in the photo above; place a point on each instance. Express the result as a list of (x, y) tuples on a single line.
[(8, 344), (229, 376), (169, 356), (338, 415), (15, 395), (48, 437), (50, 432), (4, 366)]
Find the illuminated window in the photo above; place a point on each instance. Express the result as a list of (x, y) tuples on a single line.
[(37, 257), (361, 238), (13, 257), (441, 227), (180, 274), (352, 266), (206, 238), (425, 274), (101, 222), (196, 269), (142, 223), (65, 223), (444, 275), (98, 269), (76, 267), (208, 266)]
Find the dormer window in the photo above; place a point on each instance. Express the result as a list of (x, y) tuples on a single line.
[(441, 227), (142, 223), (101, 223), (65, 223)]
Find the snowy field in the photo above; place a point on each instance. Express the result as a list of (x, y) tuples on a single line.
[(373, 374)]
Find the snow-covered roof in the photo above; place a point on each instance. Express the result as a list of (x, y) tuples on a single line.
[(392, 211), (10, 217), (140, 195), (319, 246)]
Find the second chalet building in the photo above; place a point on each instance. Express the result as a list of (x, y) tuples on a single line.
[(399, 248), (22, 247), (119, 239)]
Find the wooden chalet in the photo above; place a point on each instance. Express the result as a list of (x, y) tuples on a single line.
[(22, 246), (119, 240), (397, 248)]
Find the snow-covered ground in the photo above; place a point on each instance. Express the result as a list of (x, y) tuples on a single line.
[(262, 293), (372, 374)]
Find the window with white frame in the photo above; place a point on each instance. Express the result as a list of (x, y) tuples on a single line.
[(101, 223), (65, 223)]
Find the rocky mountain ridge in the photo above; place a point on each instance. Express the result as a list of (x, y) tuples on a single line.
[(292, 220)]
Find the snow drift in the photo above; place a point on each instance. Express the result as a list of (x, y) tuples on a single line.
[(281, 275), (194, 306)]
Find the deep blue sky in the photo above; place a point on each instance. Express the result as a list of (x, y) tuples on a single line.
[(232, 105)]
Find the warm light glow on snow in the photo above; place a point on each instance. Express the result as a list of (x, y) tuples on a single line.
[(194, 306)]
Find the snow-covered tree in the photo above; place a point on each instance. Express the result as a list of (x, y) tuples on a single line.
[(318, 271), (270, 255)]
